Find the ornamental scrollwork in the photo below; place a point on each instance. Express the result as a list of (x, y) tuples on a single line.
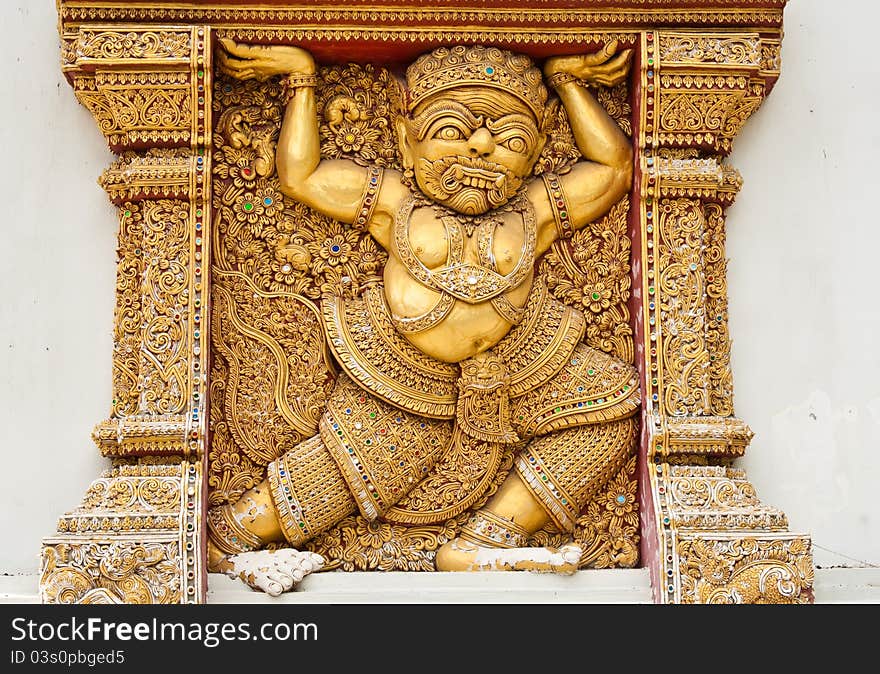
[(682, 311), (134, 44), (272, 252), (746, 571), (679, 48), (111, 573)]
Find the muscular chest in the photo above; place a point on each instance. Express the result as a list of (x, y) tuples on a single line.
[(498, 242)]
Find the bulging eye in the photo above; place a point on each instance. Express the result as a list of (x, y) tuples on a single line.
[(449, 133), (516, 144)]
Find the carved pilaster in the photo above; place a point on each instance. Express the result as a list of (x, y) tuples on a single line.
[(137, 535), (715, 541)]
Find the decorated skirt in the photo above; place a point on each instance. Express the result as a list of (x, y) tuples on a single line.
[(415, 440)]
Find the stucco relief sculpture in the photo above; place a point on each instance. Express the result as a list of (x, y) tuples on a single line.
[(266, 342), (456, 347)]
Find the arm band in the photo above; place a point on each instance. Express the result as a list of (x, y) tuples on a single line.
[(559, 203), (369, 198), (290, 83)]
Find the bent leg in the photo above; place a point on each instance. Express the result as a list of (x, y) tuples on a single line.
[(303, 494), (367, 455), (496, 537), (554, 478)]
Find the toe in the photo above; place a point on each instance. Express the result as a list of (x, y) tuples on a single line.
[(285, 580), (273, 588)]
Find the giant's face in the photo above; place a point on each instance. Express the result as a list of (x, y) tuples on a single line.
[(471, 148)]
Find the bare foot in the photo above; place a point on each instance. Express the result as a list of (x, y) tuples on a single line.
[(272, 571), (462, 555)]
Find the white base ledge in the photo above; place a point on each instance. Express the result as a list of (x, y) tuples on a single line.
[(618, 586)]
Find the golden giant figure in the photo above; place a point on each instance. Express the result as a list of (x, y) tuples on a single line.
[(458, 342), (364, 321)]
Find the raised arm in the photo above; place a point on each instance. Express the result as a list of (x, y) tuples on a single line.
[(593, 186), (335, 187)]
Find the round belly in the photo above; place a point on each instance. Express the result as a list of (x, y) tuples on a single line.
[(468, 329)]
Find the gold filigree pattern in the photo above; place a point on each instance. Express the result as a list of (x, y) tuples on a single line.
[(728, 547), (230, 471), (381, 450), (590, 388), (137, 45), (358, 104), (563, 468), (279, 244), (771, 56), (98, 555), (159, 490), (445, 68), (692, 437), (110, 573), (128, 318), (746, 570), (697, 88), (281, 247), (139, 108), (693, 309), (714, 497), (483, 407), (591, 272), (272, 346), (356, 544), (365, 342), (526, 25), (308, 491), (716, 541), (542, 343), (723, 50), (457, 481), (162, 381), (160, 173), (682, 310), (136, 537), (706, 110), (717, 333), (608, 532), (608, 529)]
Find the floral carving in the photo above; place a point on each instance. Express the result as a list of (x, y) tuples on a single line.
[(272, 252), (591, 272)]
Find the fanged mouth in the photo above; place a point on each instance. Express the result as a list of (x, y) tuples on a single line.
[(470, 176), (468, 185)]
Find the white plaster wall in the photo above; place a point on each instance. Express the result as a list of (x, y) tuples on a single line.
[(803, 244), (804, 248), (57, 277)]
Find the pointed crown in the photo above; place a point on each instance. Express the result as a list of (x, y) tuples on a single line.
[(448, 68)]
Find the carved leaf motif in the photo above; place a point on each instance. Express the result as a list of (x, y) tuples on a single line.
[(608, 529), (591, 273), (745, 571), (282, 248), (120, 572), (133, 44), (277, 379)]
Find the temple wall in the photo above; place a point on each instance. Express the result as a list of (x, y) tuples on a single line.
[(802, 242), (57, 287)]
